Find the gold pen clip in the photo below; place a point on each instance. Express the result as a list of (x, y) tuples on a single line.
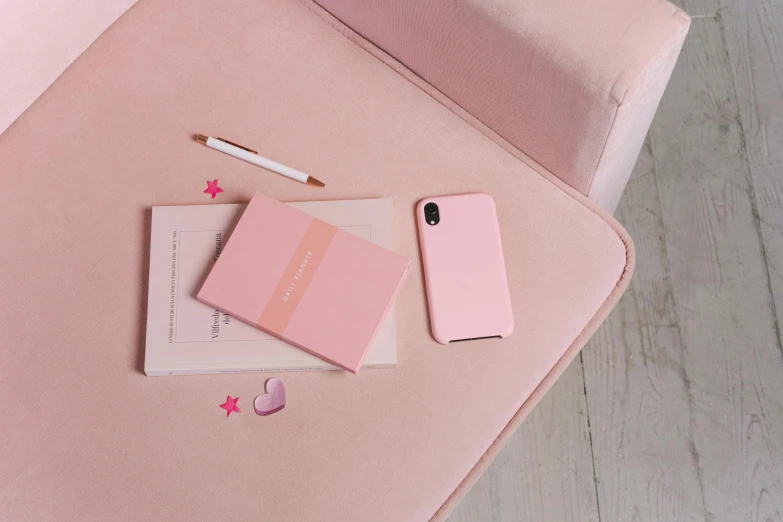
[(237, 145)]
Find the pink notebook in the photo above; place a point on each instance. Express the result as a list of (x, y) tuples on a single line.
[(313, 285)]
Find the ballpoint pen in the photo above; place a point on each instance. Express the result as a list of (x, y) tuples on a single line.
[(251, 156)]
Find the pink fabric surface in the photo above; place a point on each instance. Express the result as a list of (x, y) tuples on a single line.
[(546, 76), (39, 39), (88, 437), (632, 121)]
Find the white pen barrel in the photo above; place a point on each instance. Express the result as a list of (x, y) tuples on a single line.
[(255, 159)]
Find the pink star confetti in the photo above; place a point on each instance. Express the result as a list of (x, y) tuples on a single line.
[(231, 405), (212, 188)]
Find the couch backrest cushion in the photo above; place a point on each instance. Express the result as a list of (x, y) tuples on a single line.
[(548, 76)]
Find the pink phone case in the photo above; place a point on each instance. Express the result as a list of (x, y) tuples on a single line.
[(462, 254)]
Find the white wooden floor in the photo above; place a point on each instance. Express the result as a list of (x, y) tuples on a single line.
[(675, 409)]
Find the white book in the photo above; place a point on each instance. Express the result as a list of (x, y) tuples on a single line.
[(186, 337)]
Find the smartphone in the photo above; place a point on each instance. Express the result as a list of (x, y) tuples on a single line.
[(464, 270)]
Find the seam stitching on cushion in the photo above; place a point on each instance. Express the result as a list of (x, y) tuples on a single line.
[(676, 14), (606, 142)]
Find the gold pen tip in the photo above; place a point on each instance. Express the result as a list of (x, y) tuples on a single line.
[(201, 138), (312, 181)]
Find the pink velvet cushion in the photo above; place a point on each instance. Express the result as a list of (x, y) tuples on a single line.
[(572, 84), (40, 39), (88, 437)]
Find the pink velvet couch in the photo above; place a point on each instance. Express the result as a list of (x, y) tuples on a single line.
[(542, 104)]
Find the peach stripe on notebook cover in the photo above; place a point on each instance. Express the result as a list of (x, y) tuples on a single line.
[(297, 276)]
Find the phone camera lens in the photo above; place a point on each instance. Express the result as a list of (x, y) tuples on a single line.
[(431, 213)]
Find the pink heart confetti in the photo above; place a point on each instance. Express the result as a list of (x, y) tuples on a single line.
[(273, 400)]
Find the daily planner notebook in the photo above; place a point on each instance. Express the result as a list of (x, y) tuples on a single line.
[(186, 337), (306, 281)]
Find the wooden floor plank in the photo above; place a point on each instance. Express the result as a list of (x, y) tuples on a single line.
[(720, 285), (637, 386), (545, 472), (699, 8), (754, 40)]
